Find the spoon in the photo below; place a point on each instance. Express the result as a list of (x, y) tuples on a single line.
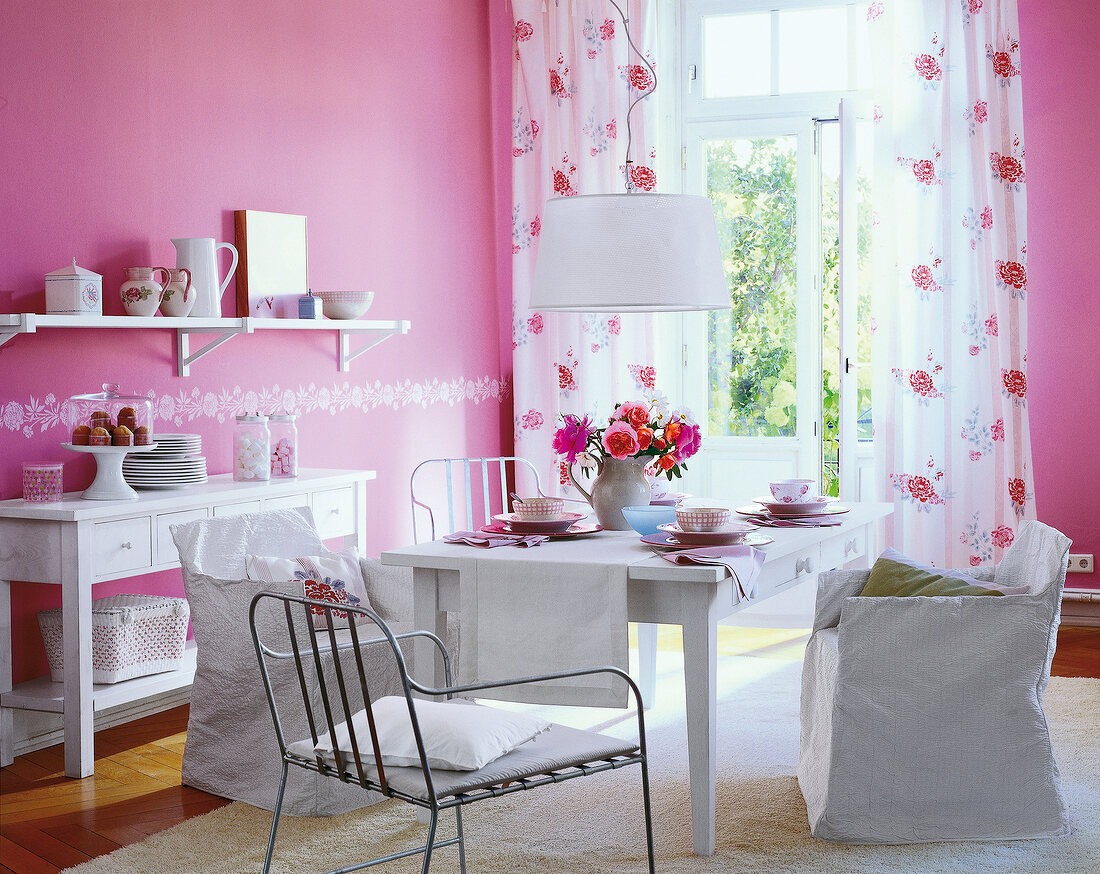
[(515, 498)]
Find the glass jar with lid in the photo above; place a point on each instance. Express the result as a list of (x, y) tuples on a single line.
[(109, 418), (251, 448), (284, 446)]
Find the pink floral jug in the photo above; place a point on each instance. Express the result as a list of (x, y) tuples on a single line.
[(140, 293)]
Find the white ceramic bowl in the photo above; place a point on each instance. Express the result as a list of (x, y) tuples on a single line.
[(345, 304), (793, 491), (702, 518), (538, 509)]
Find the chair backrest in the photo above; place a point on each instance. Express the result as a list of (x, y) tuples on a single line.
[(326, 675), (454, 494)]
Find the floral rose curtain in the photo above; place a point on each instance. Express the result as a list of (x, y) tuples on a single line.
[(573, 78), (950, 405)]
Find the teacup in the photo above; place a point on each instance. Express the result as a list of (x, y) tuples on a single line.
[(538, 508), (793, 491), (701, 518)]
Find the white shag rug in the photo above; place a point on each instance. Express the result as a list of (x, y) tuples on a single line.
[(594, 825)]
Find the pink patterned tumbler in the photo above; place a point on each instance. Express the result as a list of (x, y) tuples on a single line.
[(42, 482)]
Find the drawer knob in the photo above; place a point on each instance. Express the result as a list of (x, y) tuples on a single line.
[(804, 566), (127, 545), (335, 511)]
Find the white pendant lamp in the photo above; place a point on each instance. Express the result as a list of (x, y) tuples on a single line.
[(631, 252)]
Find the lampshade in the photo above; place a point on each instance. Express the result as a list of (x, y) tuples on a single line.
[(629, 253)]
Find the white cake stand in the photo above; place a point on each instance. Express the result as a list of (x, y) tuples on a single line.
[(109, 484)]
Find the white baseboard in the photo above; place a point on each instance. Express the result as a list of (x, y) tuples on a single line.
[(36, 729)]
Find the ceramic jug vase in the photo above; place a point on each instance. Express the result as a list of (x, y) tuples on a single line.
[(620, 482), (199, 255)]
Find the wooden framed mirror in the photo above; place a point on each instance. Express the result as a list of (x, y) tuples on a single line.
[(272, 273)]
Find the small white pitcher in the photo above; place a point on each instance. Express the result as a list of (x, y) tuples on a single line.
[(199, 255)]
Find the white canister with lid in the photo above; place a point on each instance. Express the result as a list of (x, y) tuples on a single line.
[(251, 448), (284, 446), (74, 291)]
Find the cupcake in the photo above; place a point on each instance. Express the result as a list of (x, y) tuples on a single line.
[(80, 435), (142, 436), (101, 419), (99, 437), (122, 436), (127, 417)]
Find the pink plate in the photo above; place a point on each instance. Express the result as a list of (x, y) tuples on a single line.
[(778, 508), (519, 525), (733, 532), (575, 530), (667, 541), (669, 499), (758, 512)]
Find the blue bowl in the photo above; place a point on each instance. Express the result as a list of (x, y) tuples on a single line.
[(645, 519)]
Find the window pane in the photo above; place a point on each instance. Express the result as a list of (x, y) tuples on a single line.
[(813, 50), (751, 347), (737, 52)]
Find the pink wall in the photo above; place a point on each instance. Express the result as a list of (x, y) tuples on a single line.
[(124, 124), (1061, 130)]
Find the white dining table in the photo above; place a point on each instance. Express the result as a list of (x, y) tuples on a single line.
[(696, 597)]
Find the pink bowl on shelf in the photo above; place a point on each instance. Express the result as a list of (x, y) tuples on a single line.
[(345, 304), (701, 518)]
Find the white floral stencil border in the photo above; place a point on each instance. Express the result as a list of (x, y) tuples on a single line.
[(49, 412)]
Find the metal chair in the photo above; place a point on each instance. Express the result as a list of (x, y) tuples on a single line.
[(471, 489), (332, 665)]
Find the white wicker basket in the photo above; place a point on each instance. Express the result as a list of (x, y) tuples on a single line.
[(132, 635)]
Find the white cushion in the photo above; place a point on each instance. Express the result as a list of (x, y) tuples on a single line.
[(331, 576), (457, 736)]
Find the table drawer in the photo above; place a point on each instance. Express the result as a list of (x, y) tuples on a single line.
[(166, 547), (286, 502), (223, 510), (334, 512), (840, 550), (124, 545), (783, 570)]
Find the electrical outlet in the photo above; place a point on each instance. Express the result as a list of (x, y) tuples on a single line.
[(1081, 564)]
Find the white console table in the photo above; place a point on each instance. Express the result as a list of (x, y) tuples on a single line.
[(77, 543)]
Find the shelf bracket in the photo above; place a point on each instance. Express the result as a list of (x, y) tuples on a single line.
[(25, 325), (348, 355), (185, 358)]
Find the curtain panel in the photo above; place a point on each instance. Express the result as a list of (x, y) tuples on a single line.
[(573, 77), (950, 334)]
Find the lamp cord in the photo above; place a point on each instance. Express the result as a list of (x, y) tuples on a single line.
[(640, 97)]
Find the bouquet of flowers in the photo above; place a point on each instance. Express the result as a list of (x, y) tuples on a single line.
[(635, 429)]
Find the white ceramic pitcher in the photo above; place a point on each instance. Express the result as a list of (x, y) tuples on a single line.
[(199, 255)]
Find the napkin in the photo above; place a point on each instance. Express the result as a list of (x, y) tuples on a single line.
[(743, 563), (488, 541)]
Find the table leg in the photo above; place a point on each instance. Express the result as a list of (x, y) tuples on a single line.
[(701, 687), (427, 667), (647, 662), (76, 620), (7, 740)]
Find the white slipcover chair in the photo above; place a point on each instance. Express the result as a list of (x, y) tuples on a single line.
[(231, 748), (922, 718)]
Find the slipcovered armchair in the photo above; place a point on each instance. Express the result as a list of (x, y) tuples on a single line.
[(922, 717), (231, 748)]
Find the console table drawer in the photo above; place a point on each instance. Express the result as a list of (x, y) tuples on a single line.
[(223, 510), (286, 502), (334, 512), (166, 547), (124, 545), (783, 570), (841, 550)]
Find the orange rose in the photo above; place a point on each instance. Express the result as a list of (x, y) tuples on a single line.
[(660, 443), (645, 437), (672, 431), (666, 462)]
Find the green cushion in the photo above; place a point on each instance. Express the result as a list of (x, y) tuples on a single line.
[(894, 574)]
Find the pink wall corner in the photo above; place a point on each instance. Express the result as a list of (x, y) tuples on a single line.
[(1061, 130), (149, 121)]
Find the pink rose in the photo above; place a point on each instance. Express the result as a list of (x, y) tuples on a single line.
[(975, 561), (981, 111), (633, 412), (1002, 536), (620, 440)]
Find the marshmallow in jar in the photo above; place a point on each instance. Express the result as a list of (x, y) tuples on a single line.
[(284, 446), (251, 449)]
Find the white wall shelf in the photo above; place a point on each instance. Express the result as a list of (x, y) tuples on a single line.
[(370, 331)]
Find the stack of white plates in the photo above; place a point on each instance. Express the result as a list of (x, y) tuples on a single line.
[(175, 463)]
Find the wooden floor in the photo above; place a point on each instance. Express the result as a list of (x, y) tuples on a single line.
[(48, 822)]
